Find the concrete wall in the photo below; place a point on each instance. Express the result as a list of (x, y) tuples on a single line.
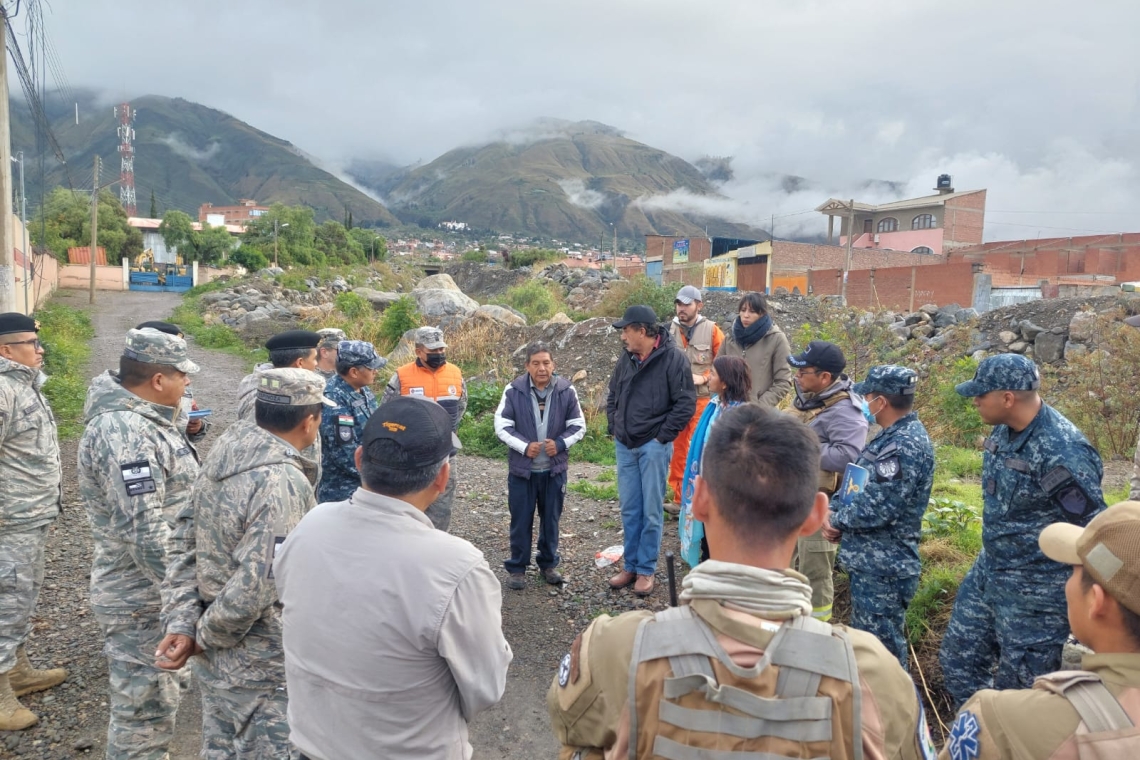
[(42, 280), (898, 288), (903, 240), (78, 277)]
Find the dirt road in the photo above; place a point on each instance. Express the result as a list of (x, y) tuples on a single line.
[(539, 622)]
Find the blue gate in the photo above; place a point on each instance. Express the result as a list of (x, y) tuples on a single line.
[(164, 283), (654, 270)]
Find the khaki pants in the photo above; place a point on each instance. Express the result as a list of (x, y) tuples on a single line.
[(815, 558)]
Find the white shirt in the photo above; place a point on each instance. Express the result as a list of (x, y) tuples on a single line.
[(392, 630)]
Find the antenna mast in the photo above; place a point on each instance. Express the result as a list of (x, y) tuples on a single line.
[(126, 116)]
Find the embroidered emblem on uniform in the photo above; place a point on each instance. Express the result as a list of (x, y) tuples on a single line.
[(344, 427), (888, 468), (963, 743), (564, 670)]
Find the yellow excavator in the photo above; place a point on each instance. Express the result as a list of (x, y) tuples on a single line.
[(144, 262)]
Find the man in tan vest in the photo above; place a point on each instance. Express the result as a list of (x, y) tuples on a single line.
[(1087, 714), (699, 339), (741, 666)]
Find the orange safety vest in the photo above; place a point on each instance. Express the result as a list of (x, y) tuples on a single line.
[(444, 385)]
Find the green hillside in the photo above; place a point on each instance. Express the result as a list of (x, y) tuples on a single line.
[(188, 154), (568, 180)]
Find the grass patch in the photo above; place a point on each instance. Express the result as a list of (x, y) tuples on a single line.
[(536, 299), (66, 333), (219, 337), (956, 462), (929, 611), (606, 476), (596, 491)]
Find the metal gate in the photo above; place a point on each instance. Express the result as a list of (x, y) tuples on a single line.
[(165, 283), (654, 270), (1000, 297)]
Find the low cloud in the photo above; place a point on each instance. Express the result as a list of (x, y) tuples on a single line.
[(580, 195), (184, 149)]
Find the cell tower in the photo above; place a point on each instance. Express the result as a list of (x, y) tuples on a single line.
[(126, 116)]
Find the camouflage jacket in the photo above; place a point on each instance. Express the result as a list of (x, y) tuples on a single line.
[(341, 427), (883, 523), (253, 489), (29, 451), (247, 410), (1047, 473), (136, 469)]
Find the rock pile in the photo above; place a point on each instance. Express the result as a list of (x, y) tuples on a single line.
[(586, 287)]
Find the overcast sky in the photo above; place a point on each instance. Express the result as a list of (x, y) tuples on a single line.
[(1035, 100)]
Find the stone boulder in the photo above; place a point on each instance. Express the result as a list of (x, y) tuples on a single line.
[(560, 319), (1082, 327), (945, 319), (922, 331), (1049, 348), (436, 282), (1030, 331), (1073, 350), (499, 314), (1018, 346), (436, 303), (380, 299), (1007, 336), (965, 315)]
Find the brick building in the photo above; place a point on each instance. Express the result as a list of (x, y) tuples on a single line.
[(245, 212), (933, 224)]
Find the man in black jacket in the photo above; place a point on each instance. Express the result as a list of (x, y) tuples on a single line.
[(651, 399)]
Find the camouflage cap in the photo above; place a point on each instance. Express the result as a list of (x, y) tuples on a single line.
[(1002, 372), (890, 379), (152, 346), (359, 353), (1108, 549), (292, 387), (430, 338), (330, 336)]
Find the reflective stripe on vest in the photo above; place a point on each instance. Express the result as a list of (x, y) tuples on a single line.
[(444, 386), (804, 650), (698, 350)]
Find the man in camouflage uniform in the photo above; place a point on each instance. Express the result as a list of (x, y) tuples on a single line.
[(326, 351), (136, 469), (29, 458), (196, 429), (881, 523), (1009, 614), (253, 489), (341, 426)]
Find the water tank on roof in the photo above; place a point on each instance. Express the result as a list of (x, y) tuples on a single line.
[(944, 184)]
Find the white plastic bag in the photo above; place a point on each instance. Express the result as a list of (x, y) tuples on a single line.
[(608, 556)]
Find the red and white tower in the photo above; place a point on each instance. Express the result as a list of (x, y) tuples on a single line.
[(126, 116)]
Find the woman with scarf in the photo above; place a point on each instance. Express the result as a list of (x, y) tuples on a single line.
[(730, 382), (755, 338)]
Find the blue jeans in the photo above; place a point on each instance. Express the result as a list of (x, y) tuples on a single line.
[(641, 474)]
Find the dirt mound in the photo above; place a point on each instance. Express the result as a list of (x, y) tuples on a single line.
[(484, 282)]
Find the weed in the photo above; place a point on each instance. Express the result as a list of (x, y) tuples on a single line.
[(482, 398), (536, 299), (956, 462), (606, 476), (638, 290), (532, 256), (930, 609), (294, 280), (477, 347), (352, 305), (945, 518), (950, 418), (65, 333), (478, 256), (610, 524), (608, 492), (479, 439)]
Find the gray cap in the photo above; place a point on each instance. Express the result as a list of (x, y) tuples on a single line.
[(430, 337), (688, 294), (292, 387), (330, 336), (151, 346), (359, 353)]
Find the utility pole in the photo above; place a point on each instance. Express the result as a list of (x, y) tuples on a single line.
[(94, 229), (7, 281), (850, 237), (29, 307), (613, 251)]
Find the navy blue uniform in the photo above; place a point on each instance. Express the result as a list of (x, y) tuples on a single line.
[(341, 427)]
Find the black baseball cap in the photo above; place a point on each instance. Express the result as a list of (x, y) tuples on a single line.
[(420, 426), (640, 314), (821, 355), (15, 322), (292, 340)]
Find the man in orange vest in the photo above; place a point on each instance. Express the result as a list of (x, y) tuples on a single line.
[(700, 340), (431, 377)]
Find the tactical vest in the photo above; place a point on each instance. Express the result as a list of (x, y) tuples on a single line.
[(688, 699), (828, 481), (699, 350), (444, 386), (1107, 732)]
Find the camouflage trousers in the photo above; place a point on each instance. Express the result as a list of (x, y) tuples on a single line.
[(1005, 631), (240, 722), (439, 511), (878, 606), (21, 576), (144, 699), (815, 558)]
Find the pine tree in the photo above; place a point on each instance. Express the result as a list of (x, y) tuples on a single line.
[(349, 225), (153, 206)]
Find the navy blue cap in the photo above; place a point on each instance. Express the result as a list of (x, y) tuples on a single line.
[(821, 355), (890, 379), (1002, 372)]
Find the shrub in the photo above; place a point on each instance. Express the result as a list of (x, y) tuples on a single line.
[(477, 256), (250, 258), (401, 316), (638, 290), (352, 305), (532, 256), (536, 299), (294, 280)]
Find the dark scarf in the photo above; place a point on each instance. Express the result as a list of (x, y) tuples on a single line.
[(746, 336)]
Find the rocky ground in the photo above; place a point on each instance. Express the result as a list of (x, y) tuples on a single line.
[(539, 622)]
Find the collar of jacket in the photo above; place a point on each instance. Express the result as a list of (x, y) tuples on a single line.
[(362, 497), (21, 372), (804, 402)]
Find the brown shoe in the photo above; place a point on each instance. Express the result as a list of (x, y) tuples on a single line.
[(553, 577), (622, 579), (644, 585)]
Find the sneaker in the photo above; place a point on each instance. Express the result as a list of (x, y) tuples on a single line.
[(622, 579), (517, 582), (552, 576), (644, 585)]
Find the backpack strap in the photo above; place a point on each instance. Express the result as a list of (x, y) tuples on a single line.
[(1099, 709)]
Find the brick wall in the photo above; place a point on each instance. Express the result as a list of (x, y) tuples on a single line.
[(700, 248), (964, 220), (1057, 259), (799, 257), (891, 287)]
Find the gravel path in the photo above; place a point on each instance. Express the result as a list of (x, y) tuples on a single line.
[(539, 622)]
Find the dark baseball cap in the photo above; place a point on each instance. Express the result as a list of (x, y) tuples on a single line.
[(1002, 372), (821, 355), (421, 427), (640, 314)]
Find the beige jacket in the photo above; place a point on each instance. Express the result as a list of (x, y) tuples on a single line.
[(768, 360)]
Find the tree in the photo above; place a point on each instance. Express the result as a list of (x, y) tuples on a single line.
[(212, 244), (153, 206), (373, 245), (333, 240), (250, 258), (207, 246), (295, 235), (64, 222), (177, 230)]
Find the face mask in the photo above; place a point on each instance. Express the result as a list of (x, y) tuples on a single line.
[(435, 361), (865, 409)]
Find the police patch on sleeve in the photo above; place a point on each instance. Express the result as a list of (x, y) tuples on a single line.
[(888, 469), (922, 732), (564, 671), (345, 427), (137, 478), (964, 743)]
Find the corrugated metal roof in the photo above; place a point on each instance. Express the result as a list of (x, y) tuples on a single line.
[(82, 255)]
